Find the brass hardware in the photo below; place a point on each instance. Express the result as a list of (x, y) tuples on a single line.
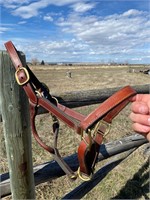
[(83, 177), (55, 99), (26, 73), (73, 176), (39, 93), (102, 123)]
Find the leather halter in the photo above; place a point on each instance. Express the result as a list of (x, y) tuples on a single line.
[(96, 124)]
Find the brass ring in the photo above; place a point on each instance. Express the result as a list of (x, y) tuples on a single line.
[(55, 99), (83, 178)]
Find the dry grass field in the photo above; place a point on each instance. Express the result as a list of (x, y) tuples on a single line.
[(129, 180)]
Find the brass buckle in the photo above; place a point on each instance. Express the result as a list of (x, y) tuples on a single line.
[(102, 123), (26, 73)]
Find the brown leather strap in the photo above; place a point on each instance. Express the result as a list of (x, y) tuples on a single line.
[(72, 113), (23, 78), (107, 106), (21, 74), (89, 146), (88, 150), (51, 150), (30, 91), (59, 113)]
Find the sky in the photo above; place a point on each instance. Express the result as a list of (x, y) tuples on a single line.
[(100, 31)]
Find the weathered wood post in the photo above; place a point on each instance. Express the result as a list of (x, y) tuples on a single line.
[(0, 111), (69, 74), (16, 123)]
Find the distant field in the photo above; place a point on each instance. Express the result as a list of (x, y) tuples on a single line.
[(127, 181), (87, 77)]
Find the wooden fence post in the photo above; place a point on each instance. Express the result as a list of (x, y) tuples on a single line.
[(0, 111), (17, 133)]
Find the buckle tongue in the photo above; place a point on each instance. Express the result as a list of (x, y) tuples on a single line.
[(25, 75)]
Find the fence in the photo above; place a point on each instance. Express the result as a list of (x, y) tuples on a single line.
[(17, 133)]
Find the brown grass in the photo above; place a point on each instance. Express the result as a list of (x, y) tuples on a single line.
[(128, 180)]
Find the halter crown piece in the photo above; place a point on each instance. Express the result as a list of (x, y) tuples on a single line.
[(92, 127)]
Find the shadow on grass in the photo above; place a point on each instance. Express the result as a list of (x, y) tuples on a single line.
[(138, 186)]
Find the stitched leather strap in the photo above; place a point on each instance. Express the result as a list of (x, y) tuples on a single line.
[(34, 99), (98, 120), (111, 106), (30, 83), (88, 150)]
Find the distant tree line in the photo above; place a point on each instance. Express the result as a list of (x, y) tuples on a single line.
[(42, 62), (35, 61)]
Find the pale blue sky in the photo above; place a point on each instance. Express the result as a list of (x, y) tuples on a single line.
[(78, 30)]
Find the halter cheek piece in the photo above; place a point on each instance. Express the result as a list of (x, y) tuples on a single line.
[(96, 125)]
